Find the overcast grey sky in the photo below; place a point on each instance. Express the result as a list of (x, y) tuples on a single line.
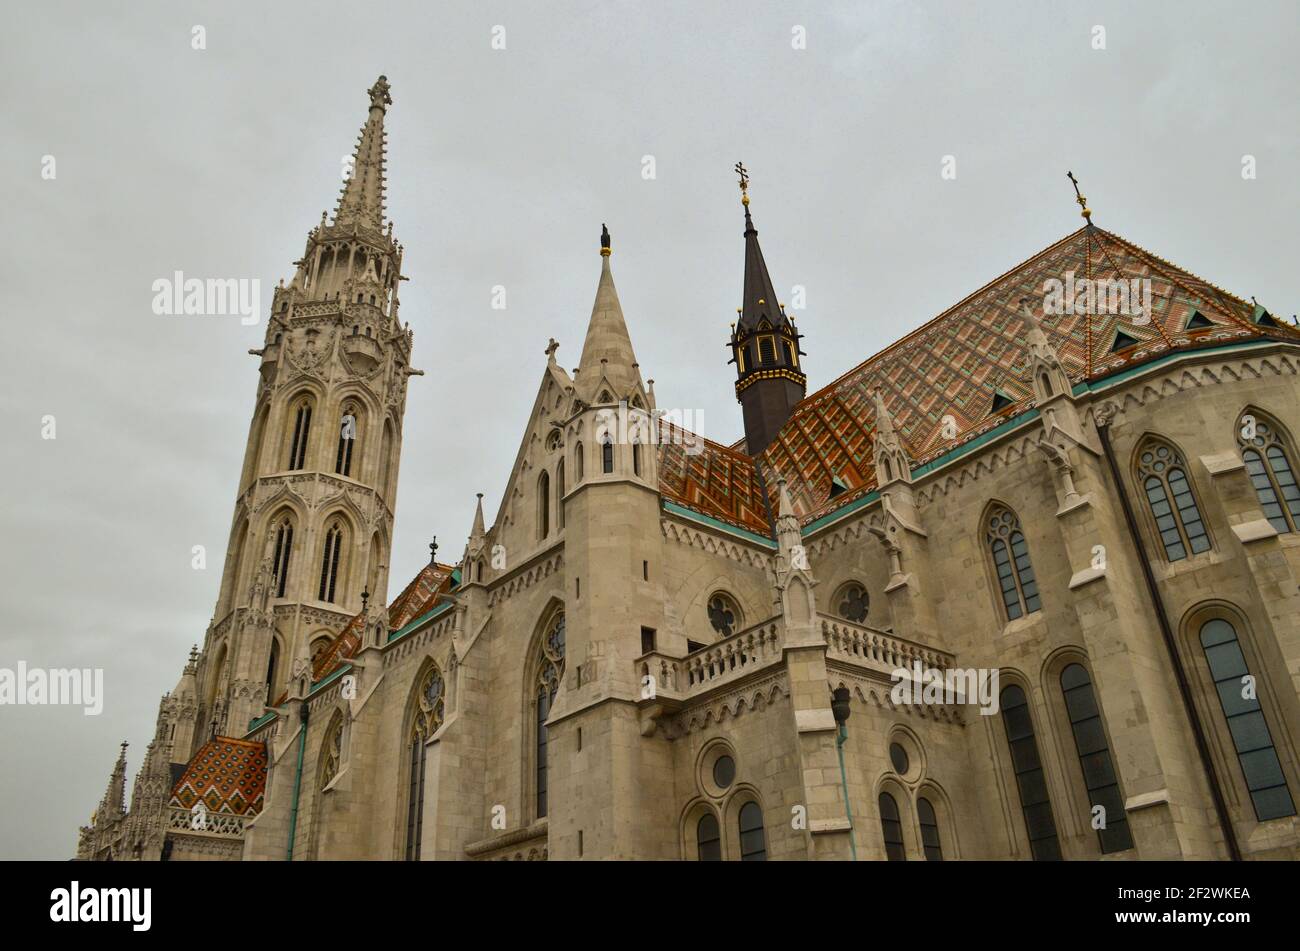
[(502, 166)]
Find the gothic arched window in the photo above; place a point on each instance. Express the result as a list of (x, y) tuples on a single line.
[(347, 440), (1031, 782), (280, 558), (559, 494), (1270, 470), (851, 602), (426, 718), (330, 558), (724, 615), (1163, 475), (636, 458), (891, 828), (708, 838), (272, 663), (1011, 563), (606, 453), (331, 751), (301, 430), (550, 670), (1256, 755), (753, 841), (1099, 776), (543, 505), (578, 461), (929, 830)]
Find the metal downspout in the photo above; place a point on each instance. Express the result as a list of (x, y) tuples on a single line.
[(297, 783)]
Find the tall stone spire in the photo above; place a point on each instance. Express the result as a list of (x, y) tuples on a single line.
[(608, 360), (114, 802), (764, 345), (362, 198)]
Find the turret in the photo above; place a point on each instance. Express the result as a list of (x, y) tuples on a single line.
[(764, 346)]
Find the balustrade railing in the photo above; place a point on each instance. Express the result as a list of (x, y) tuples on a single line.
[(224, 824)]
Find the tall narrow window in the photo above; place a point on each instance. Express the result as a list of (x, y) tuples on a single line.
[(753, 842), (329, 566), (347, 440), (1099, 774), (1030, 780), (301, 430), (891, 827), (606, 454), (1011, 563), (559, 494), (708, 838), (271, 664), (280, 559), (426, 718), (550, 671), (929, 830), (1270, 471), (1163, 475), (578, 463), (636, 458), (332, 751), (766, 351), (1256, 754), (543, 505)]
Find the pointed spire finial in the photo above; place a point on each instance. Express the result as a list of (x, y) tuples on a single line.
[(604, 241), (433, 551), (744, 184), (1083, 202), (365, 599), (362, 198)]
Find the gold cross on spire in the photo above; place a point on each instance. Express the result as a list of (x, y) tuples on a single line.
[(744, 183), (1083, 202)]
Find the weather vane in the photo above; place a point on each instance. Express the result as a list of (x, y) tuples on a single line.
[(744, 182), (1083, 202)]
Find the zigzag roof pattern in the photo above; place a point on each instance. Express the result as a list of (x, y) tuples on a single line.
[(712, 479), (419, 597), (226, 775), (969, 363)]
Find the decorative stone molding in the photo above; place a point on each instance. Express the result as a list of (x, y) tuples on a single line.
[(694, 537), (503, 590), (752, 697)]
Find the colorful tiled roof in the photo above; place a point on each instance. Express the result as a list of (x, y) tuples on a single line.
[(971, 355), (417, 598), (227, 774), (711, 479)]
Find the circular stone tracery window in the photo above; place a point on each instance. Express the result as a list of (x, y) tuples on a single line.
[(899, 759), (852, 603), (723, 615), (724, 771)]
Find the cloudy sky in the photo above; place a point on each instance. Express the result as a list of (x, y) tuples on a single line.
[(502, 166)]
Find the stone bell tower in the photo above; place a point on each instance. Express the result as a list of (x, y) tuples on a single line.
[(313, 519)]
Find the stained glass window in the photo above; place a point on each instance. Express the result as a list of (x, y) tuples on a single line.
[(1011, 564), (1163, 475)]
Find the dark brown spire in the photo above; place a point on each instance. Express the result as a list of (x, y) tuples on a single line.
[(764, 345)]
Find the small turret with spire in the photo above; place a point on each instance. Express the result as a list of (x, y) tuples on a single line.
[(764, 345)]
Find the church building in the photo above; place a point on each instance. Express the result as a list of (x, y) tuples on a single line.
[(1023, 585)]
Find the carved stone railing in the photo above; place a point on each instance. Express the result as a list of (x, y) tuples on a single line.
[(877, 650), (223, 825), (724, 661)]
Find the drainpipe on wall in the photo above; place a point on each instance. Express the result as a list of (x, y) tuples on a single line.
[(297, 782), (1166, 632)]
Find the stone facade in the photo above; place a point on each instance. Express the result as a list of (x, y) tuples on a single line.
[(615, 673)]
